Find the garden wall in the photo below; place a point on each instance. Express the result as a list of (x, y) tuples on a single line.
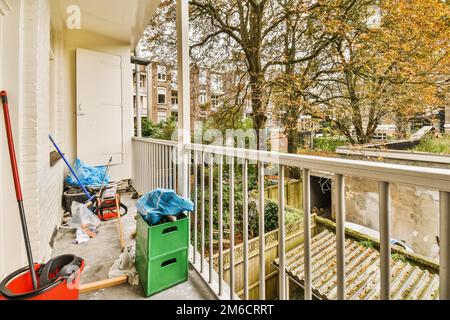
[(415, 212)]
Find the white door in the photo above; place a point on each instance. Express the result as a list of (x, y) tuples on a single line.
[(99, 107)]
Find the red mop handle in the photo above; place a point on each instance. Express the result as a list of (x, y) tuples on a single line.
[(15, 171), (12, 153)]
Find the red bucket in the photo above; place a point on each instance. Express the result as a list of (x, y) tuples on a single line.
[(18, 286)]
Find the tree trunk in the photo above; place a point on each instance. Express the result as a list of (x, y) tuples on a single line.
[(253, 35), (259, 115), (295, 139), (401, 125)]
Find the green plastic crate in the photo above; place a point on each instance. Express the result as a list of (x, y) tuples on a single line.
[(161, 254)]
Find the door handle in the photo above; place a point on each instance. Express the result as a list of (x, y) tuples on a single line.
[(80, 110)]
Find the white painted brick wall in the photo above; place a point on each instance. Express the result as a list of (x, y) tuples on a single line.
[(28, 142), (43, 185)]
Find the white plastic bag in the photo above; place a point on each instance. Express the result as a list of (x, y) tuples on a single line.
[(84, 221), (81, 215)]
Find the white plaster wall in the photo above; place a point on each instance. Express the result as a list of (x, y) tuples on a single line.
[(74, 39), (415, 212)]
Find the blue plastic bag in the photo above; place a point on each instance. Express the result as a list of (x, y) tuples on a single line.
[(89, 176), (162, 202)]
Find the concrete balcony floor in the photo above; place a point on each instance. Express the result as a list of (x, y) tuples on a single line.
[(100, 253)]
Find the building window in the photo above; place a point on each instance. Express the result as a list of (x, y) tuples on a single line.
[(162, 95), (174, 98), (161, 73), (174, 80), (134, 78), (215, 101), (143, 106), (202, 97), (216, 83), (162, 116), (202, 77), (143, 81)]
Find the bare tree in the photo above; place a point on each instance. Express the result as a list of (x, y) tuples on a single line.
[(255, 28), (392, 71), (317, 57)]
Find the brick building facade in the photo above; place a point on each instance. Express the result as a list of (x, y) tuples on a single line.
[(159, 92)]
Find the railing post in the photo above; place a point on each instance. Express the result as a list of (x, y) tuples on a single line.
[(261, 222), (175, 169), (158, 167), (340, 236), (444, 273), (281, 235), (211, 215), (385, 240), (144, 184), (170, 169), (202, 221), (184, 116), (195, 205), (245, 224), (220, 222), (307, 232), (164, 169), (153, 167), (231, 251), (138, 101)]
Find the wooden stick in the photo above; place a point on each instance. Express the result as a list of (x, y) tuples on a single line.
[(172, 218), (88, 287), (119, 221)]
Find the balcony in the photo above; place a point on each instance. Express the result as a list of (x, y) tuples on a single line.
[(142, 90), (233, 254), (101, 252), (319, 257)]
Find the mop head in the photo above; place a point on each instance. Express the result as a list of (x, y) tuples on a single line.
[(124, 265)]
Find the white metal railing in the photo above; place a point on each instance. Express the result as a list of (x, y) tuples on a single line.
[(206, 157), (153, 166)]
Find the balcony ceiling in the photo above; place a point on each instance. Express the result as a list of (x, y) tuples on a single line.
[(123, 20)]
